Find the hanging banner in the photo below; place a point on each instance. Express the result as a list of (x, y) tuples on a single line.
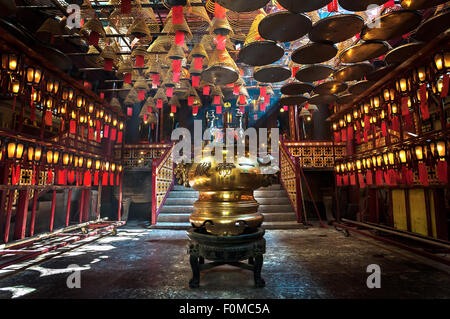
[(369, 177), (361, 182), (423, 174), (423, 102), (442, 171)]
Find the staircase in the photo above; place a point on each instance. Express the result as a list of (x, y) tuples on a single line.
[(273, 202)]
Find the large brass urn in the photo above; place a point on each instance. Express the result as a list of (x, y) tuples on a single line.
[(226, 205)]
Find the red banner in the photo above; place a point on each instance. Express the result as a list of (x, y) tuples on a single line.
[(423, 174), (442, 172)]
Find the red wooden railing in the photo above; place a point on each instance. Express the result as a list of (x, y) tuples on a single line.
[(162, 182)]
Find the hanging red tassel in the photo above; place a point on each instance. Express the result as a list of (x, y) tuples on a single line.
[(395, 124), (345, 179), (48, 118), (218, 109), (195, 81), (198, 63), (216, 100), (389, 4), (241, 99), (423, 102), (119, 137), (106, 131), (117, 179), (294, 70), (176, 66), (221, 42), (96, 178), (113, 134), (190, 100), (49, 176), (337, 137), (369, 177), (139, 61), (105, 179), (125, 6), (352, 179), (111, 179), (173, 108), (176, 77), (72, 127), (262, 107), (262, 91), (445, 84), (87, 180), (159, 103), (332, 6), (338, 180), (155, 80), (169, 91), (344, 135), (127, 78), (350, 133), (361, 182), (442, 172), (93, 38), (379, 177), (177, 14), (206, 89), (405, 112), (236, 89), (179, 38), (423, 174), (129, 111), (219, 11), (141, 95), (108, 65), (91, 133), (383, 128), (194, 110), (242, 108)]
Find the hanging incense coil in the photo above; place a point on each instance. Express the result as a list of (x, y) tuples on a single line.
[(139, 29), (48, 30), (221, 27), (284, 26), (141, 84), (336, 28), (115, 104), (221, 69), (303, 6), (169, 27), (150, 102), (125, 89), (199, 51), (241, 23), (271, 73), (258, 52), (125, 67), (242, 5), (93, 25), (160, 95), (131, 97), (176, 52)]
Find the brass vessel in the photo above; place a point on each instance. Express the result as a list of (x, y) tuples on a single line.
[(226, 206)]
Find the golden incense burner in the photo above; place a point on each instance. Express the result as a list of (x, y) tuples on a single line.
[(226, 205)]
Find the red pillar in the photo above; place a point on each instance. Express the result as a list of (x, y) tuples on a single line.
[(20, 223), (52, 216)]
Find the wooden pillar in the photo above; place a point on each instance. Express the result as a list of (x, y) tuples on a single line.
[(69, 199), (120, 198), (20, 223), (52, 216), (33, 212)]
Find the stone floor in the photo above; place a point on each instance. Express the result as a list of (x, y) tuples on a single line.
[(304, 263)]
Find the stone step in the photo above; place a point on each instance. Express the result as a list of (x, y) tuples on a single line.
[(265, 225), (184, 217), (183, 194), (191, 200), (257, 194), (276, 209), (281, 225), (173, 218), (172, 226), (268, 188), (279, 217)]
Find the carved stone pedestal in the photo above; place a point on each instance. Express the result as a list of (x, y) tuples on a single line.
[(226, 250)]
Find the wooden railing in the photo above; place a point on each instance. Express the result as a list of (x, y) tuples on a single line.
[(296, 156), (162, 181), (290, 179)]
